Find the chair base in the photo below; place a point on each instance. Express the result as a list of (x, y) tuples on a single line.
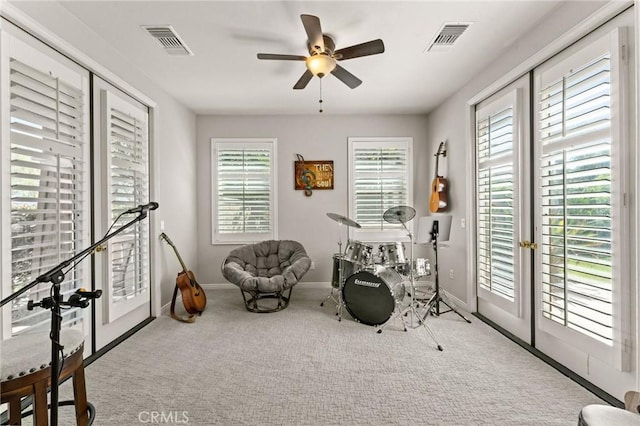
[(251, 299)]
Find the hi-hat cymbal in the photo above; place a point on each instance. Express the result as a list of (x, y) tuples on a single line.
[(399, 214), (343, 220)]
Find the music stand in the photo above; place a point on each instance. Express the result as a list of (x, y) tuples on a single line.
[(430, 230)]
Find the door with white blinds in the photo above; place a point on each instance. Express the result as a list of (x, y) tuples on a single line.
[(44, 180), (122, 164), (380, 176), (503, 268), (582, 287)]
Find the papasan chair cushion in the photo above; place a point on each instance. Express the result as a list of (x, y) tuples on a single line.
[(265, 270)]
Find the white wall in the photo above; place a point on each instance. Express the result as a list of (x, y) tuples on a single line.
[(174, 152), (315, 137)]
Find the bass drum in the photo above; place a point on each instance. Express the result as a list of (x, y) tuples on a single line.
[(370, 296)]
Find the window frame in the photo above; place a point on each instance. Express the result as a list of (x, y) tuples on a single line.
[(397, 231), (243, 143)]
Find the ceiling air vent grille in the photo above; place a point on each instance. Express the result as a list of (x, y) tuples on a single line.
[(447, 36), (167, 37)]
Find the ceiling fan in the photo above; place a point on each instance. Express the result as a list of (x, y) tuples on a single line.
[(323, 56)]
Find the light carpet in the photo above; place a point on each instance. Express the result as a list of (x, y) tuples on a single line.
[(301, 366)]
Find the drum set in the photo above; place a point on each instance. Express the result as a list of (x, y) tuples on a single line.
[(372, 281)]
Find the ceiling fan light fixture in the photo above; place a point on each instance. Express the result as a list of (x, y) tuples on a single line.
[(320, 64)]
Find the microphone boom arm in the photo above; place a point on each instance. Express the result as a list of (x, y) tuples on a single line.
[(56, 275)]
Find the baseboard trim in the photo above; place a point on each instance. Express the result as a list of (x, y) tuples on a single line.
[(94, 356), (303, 284), (610, 399)]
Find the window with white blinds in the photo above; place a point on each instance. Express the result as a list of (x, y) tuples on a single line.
[(380, 174), (580, 194), (49, 183), (128, 182), (495, 198), (244, 190)]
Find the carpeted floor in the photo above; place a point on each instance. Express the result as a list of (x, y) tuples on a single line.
[(301, 366)]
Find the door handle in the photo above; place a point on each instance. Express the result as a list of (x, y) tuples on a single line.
[(529, 245)]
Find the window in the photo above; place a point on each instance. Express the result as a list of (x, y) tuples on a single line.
[(380, 176), (244, 185), (47, 156)]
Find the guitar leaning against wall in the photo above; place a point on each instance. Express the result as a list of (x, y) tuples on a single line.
[(438, 199), (193, 297)]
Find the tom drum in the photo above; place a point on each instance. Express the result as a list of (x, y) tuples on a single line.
[(391, 254), (359, 253)]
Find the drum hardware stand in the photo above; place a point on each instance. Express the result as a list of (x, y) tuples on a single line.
[(338, 301), (403, 214), (433, 305), (342, 220)]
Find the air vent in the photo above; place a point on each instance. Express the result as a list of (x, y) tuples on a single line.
[(447, 36), (167, 37)]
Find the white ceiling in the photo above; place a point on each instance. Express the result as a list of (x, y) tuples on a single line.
[(225, 77)]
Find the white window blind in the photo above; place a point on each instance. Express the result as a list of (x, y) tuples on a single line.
[(244, 185), (128, 162), (495, 198), (380, 174), (579, 197), (49, 183)]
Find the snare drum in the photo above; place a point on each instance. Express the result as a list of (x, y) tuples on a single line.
[(371, 295), (340, 263), (391, 254), (421, 267), (359, 253)]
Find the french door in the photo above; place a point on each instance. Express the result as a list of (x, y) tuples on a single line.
[(503, 267), (552, 240), (122, 173), (44, 184)]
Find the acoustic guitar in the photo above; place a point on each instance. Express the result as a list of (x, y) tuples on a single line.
[(193, 297), (438, 199)]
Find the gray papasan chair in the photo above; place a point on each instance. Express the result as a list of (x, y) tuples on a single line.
[(266, 270)]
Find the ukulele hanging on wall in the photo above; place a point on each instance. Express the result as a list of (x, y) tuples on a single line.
[(438, 199)]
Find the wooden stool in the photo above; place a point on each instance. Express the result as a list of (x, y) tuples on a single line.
[(25, 368)]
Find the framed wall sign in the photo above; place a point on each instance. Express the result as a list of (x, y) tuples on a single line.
[(310, 175)]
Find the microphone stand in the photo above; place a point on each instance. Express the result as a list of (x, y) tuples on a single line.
[(56, 276)]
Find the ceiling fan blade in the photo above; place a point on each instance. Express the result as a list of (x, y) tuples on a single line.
[(372, 47), (314, 31), (346, 77), (304, 80), (276, 56)]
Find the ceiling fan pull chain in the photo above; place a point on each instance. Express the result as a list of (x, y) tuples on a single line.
[(320, 101)]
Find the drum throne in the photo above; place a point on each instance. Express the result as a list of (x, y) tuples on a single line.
[(266, 272)]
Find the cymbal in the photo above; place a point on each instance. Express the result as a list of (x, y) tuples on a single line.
[(343, 220), (399, 214)]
